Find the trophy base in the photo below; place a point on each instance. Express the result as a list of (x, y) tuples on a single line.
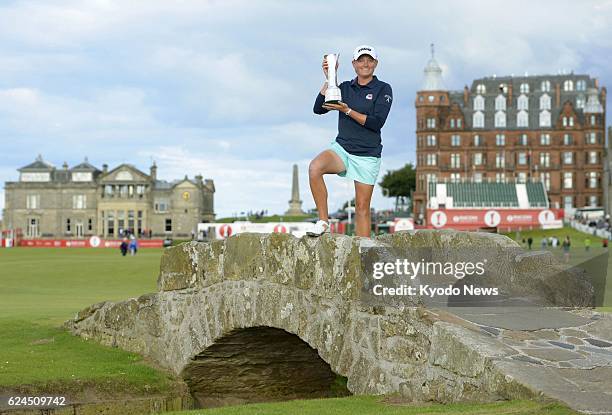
[(333, 95)]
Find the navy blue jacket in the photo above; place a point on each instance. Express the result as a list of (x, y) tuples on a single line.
[(374, 100)]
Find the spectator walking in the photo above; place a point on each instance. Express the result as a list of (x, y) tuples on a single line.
[(123, 247), (133, 246), (587, 244), (544, 243), (566, 248), (529, 242)]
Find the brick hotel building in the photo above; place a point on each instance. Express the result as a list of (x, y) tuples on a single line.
[(547, 128)]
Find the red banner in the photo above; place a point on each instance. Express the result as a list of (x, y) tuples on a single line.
[(470, 219), (93, 242)]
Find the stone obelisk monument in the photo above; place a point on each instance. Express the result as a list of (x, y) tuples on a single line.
[(295, 204)]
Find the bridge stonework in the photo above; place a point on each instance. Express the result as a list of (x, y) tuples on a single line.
[(213, 297)]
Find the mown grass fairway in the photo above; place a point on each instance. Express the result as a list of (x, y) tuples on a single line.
[(41, 288), (375, 405)]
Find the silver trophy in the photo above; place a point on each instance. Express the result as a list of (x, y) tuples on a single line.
[(332, 95)]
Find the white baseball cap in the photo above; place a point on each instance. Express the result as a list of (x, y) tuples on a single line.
[(364, 50)]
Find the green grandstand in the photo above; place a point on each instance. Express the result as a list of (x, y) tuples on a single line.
[(462, 195)]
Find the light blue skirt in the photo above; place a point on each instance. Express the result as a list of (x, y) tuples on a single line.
[(363, 169)]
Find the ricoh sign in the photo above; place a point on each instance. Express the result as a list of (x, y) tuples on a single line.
[(504, 219)]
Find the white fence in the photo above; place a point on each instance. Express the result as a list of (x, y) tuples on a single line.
[(590, 230)]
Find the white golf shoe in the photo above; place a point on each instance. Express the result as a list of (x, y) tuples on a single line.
[(319, 228)]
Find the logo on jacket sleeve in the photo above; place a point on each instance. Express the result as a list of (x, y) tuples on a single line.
[(388, 98), (369, 96)]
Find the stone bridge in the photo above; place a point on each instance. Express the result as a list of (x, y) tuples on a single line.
[(269, 317)]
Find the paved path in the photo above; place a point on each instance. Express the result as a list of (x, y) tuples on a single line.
[(567, 355)]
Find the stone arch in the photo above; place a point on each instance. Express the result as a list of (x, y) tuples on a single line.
[(230, 307), (259, 364)]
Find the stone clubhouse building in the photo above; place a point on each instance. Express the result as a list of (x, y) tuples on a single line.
[(83, 201)]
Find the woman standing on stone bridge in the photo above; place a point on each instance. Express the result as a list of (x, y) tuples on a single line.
[(356, 151)]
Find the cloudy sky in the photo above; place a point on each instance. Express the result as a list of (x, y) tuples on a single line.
[(225, 88)]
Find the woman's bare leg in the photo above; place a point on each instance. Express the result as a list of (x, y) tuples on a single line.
[(325, 163), (363, 216)]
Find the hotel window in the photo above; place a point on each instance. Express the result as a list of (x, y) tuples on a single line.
[(522, 119), (500, 139), (593, 120), (545, 139), (568, 180), (545, 86), (499, 160), (477, 159), (431, 123), (592, 157), (455, 140), (455, 160), (568, 121), (479, 103), (168, 225), (568, 85), (521, 177), (500, 119), (478, 119), (546, 180), (500, 103), (591, 138), (500, 177), (568, 202), (431, 140), (458, 122), (481, 89), (580, 102), (545, 159), (431, 178), (477, 141), (524, 88), (545, 119), (79, 202), (477, 177), (568, 157), (593, 201), (592, 180), (522, 140), (431, 159), (567, 140), (90, 224), (455, 177), (523, 103), (68, 227), (32, 201), (522, 158), (452, 123), (109, 189), (581, 85), (545, 102)]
